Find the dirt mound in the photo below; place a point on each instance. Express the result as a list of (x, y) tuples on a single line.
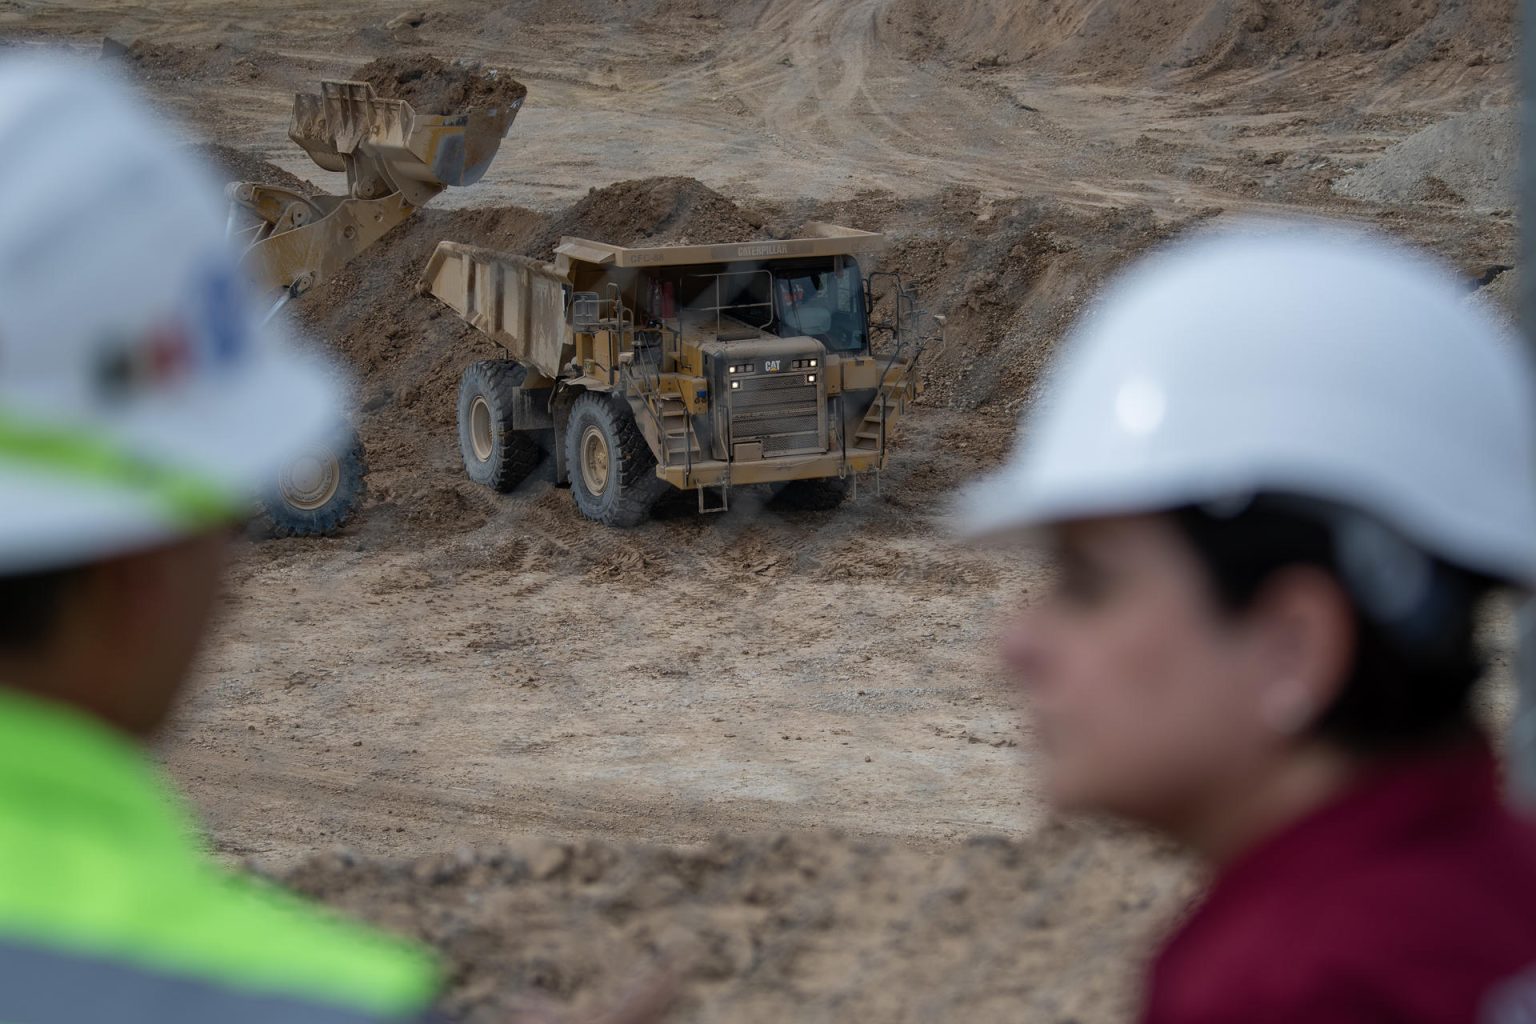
[(653, 211), (159, 60), (230, 164), (789, 927), (169, 62), (1470, 158), (407, 352), (1113, 40), (433, 86), (1010, 275)]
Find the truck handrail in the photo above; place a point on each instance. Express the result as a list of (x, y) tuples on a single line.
[(906, 303)]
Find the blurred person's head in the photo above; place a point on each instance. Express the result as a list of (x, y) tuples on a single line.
[(1278, 473), (114, 637), (142, 399)]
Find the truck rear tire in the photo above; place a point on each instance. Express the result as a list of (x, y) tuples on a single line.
[(821, 495), (496, 454), (318, 492), (612, 469)]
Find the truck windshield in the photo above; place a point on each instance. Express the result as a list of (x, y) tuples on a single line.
[(825, 304)]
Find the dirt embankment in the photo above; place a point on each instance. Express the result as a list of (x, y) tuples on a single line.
[(795, 927), (1009, 275), (1120, 40)]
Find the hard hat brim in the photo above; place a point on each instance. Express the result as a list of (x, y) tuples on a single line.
[(231, 434), (1009, 505)]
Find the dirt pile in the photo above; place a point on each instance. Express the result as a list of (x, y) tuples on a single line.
[(792, 927), (169, 62), (1470, 158), (159, 60), (1118, 40), (230, 164), (652, 211), (434, 86)]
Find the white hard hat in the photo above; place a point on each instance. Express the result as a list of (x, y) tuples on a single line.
[(140, 396), (1291, 359)]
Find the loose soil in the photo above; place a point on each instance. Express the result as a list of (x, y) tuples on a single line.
[(1129, 40), (989, 930), (231, 164), (433, 86), (771, 748)]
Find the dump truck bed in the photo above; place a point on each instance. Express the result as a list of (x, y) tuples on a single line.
[(518, 302)]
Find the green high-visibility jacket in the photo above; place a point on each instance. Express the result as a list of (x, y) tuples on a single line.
[(111, 912)]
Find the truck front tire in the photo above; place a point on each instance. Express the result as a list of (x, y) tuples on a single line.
[(612, 469), (496, 454)]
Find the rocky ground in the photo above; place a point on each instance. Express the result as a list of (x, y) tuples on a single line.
[(770, 749)]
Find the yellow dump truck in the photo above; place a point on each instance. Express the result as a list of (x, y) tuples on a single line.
[(695, 367)]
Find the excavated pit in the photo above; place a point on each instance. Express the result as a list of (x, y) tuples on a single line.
[(462, 671)]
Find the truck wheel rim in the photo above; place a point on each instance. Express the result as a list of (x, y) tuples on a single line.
[(594, 460), (481, 437), (311, 480)]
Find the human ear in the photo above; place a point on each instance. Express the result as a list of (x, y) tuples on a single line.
[(1303, 628)]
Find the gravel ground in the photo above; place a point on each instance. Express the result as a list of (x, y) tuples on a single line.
[(1469, 158)]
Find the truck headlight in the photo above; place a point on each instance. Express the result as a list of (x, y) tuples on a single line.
[(735, 385), (810, 378)]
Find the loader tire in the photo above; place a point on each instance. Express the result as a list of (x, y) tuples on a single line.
[(318, 492), (496, 454), (613, 471), (821, 495)]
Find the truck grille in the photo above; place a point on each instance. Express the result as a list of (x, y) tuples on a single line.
[(783, 412)]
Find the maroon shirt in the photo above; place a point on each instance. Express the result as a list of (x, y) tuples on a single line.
[(1409, 900)]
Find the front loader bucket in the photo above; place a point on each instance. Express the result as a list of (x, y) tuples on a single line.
[(386, 146), (395, 160)]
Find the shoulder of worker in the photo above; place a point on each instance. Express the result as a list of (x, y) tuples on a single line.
[(105, 888), (1413, 900), (1413, 944)]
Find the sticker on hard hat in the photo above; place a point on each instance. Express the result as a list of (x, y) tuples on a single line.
[(225, 320), (212, 332)]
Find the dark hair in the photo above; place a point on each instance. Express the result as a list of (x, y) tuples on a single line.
[(1416, 659), (29, 607)]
